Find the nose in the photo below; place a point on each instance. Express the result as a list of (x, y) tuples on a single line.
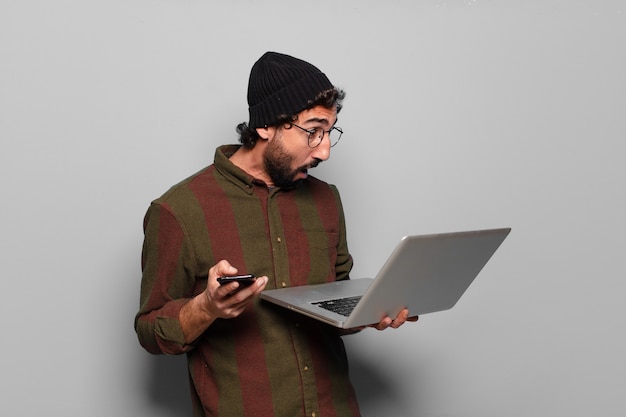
[(322, 151)]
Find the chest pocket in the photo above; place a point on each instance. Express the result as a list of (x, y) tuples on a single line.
[(312, 257)]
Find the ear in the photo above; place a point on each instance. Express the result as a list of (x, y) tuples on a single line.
[(266, 132)]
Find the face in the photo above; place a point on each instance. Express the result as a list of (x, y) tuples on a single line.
[(288, 157)]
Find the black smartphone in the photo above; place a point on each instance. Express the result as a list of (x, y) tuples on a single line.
[(243, 280)]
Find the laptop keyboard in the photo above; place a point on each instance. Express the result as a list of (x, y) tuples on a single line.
[(343, 306)]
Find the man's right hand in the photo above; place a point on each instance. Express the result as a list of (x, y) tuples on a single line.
[(217, 301), (224, 301)]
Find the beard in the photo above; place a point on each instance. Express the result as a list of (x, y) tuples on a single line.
[(278, 164)]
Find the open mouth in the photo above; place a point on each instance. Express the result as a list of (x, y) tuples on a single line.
[(305, 169)]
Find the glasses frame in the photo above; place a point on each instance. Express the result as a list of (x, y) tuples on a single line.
[(312, 132)]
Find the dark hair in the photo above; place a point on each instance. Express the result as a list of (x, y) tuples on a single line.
[(248, 136)]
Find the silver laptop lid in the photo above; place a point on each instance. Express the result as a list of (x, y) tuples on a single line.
[(427, 273)]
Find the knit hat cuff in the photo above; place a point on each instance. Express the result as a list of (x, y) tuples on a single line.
[(289, 100)]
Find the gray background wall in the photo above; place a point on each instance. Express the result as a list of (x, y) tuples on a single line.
[(460, 115)]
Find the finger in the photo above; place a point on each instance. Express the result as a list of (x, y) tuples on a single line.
[(238, 302), (230, 306), (259, 284), (400, 319), (222, 268), (227, 290), (383, 324)]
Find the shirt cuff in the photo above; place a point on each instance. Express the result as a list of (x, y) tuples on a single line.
[(167, 329)]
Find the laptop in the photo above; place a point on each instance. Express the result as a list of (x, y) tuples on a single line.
[(425, 274)]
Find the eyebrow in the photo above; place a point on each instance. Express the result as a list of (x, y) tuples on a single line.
[(320, 120)]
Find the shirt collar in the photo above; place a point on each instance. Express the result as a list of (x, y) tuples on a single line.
[(230, 171), (237, 175)]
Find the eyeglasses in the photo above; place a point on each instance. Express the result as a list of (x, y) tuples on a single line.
[(316, 135)]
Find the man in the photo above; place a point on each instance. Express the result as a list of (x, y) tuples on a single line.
[(255, 210)]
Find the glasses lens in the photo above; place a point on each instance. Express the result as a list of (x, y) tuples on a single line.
[(315, 138), (317, 135), (334, 135)]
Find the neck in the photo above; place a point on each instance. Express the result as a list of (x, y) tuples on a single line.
[(251, 161)]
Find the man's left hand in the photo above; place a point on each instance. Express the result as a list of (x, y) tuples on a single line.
[(401, 318), (386, 322)]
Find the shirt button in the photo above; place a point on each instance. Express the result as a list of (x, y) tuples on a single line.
[(279, 240), (306, 368), (283, 284), (313, 414)]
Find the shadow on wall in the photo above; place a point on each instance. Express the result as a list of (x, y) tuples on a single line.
[(167, 385), (377, 391)]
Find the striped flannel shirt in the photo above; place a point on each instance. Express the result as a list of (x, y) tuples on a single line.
[(268, 361)]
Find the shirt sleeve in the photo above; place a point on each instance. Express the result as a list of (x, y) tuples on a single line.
[(166, 283)]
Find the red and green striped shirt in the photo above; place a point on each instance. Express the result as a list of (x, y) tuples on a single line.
[(268, 361)]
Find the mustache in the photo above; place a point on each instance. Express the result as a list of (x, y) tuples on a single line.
[(315, 163)]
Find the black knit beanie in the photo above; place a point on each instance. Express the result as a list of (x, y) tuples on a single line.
[(282, 85)]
